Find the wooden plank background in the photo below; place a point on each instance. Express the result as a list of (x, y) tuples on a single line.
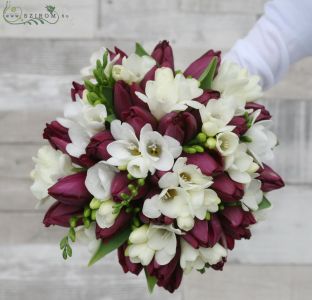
[(37, 65)]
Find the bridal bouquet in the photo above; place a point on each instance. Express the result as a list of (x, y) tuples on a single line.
[(166, 167)]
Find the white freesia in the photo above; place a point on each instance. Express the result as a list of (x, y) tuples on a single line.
[(148, 241), (99, 179), (234, 83), (83, 120), (105, 216), (253, 195), (50, 165), (192, 258), (227, 142), (188, 176), (133, 68), (152, 152), (87, 237), (87, 72), (240, 166), (169, 93), (262, 141), (215, 117)]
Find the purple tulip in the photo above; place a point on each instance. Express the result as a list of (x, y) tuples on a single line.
[(120, 185), (77, 89), (168, 276), (71, 190), (60, 214), (204, 233), (137, 117), (227, 189), (125, 262), (235, 224), (163, 54), (207, 95), (121, 222), (240, 125), (57, 135), (150, 75), (198, 66), (264, 113), (136, 101), (206, 162), (181, 126), (117, 51), (97, 148), (219, 266), (270, 179)]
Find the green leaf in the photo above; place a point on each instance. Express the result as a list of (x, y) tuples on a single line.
[(63, 242), (105, 59), (151, 281), (207, 77), (108, 247), (139, 50), (265, 203), (89, 85)]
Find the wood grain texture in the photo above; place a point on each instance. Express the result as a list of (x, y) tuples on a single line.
[(45, 274)]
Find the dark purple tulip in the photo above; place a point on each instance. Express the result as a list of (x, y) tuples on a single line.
[(136, 101), (120, 185), (150, 75), (240, 125), (235, 224), (57, 135), (77, 89), (219, 266), (60, 214), (71, 190), (207, 95), (121, 222), (163, 54), (264, 114), (125, 262), (270, 179), (137, 117), (117, 51), (198, 66), (206, 162), (168, 276), (181, 126), (204, 233), (122, 98), (97, 148), (227, 189)]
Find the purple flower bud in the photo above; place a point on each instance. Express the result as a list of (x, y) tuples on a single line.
[(270, 179), (264, 113), (150, 75), (121, 222), (163, 54), (57, 135), (206, 162), (227, 189), (77, 89), (240, 125), (125, 262), (137, 117), (168, 276), (181, 126), (117, 51), (60, 214), (198, 66), (71, 190), (97, 148)]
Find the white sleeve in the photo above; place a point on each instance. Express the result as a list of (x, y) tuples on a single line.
[(282, 36)]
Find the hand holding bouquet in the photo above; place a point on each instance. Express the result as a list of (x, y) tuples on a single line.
[(164, 166)]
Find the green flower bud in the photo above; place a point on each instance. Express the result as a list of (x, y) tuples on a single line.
[(87, 212), (198, 148), (201, 137), (211, 143), (93, 215), (141, 181), (95, 204)]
